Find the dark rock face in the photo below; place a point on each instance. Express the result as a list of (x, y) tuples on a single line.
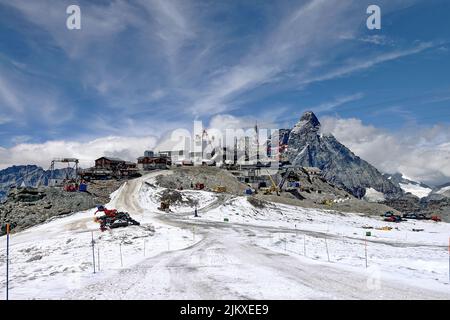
[(308, 147)]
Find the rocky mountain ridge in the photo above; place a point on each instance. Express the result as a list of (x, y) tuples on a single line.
[(309, 147), (27, 176)]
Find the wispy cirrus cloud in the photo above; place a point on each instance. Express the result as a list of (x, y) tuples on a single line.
[(337, 102), (356, 65), (142, 67)]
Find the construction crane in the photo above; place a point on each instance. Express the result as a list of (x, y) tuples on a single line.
[(273, 187), (283, 179)]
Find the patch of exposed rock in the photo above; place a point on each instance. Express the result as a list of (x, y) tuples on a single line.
[(27, 207)]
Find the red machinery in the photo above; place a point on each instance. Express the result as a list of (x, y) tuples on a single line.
[(436, 218)]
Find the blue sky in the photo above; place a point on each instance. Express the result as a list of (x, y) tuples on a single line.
[(140, 68)]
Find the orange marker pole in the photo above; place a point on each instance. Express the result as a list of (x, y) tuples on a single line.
[(365, 248), (7, 261)]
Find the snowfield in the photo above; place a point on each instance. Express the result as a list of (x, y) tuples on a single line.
[(373, 195), (236, 249), (443, 190), (415, 189)]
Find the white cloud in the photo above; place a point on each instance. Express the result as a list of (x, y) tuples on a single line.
[(337, 102), (4, 119), (8, 96), (127, 148), (366, 63), (422, 154)]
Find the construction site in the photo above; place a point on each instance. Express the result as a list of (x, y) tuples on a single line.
[(219, 212), (252, 165), (233, 171)]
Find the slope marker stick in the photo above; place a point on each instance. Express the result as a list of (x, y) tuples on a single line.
[(326, 246), (120, 250), (7, 261), (365, 248), (98, 258), (93, 250), (304, 245)]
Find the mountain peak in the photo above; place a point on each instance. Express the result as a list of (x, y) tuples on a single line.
[(308, 148), (308, 122), (310, 117)]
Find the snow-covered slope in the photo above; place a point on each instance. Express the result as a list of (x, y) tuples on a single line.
[(415, 189), (418, 189), (421, 256), (444, 191), (264, 251), (53, 258), (373, 195), (150, 194)]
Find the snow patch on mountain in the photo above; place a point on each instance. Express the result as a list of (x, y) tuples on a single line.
[(407, 184), (415, 189), (443, 190), (373, 195)]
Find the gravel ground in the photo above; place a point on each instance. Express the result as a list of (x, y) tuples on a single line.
[(27, 207), (187, 177)]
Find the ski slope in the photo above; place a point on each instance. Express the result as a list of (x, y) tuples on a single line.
[(273, 252)]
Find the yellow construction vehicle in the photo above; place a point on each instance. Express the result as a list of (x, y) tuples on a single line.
[(273, 188), (220, 189)]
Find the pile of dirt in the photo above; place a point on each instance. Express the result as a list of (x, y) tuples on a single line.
[(173, 197), (211, 177), (257, 203), (27, 207)]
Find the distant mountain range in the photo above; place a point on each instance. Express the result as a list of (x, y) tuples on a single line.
[(27, 175), (309, 147)]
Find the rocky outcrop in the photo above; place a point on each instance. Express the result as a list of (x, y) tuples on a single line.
[(432, 205), (309, 147), (27, 207)]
